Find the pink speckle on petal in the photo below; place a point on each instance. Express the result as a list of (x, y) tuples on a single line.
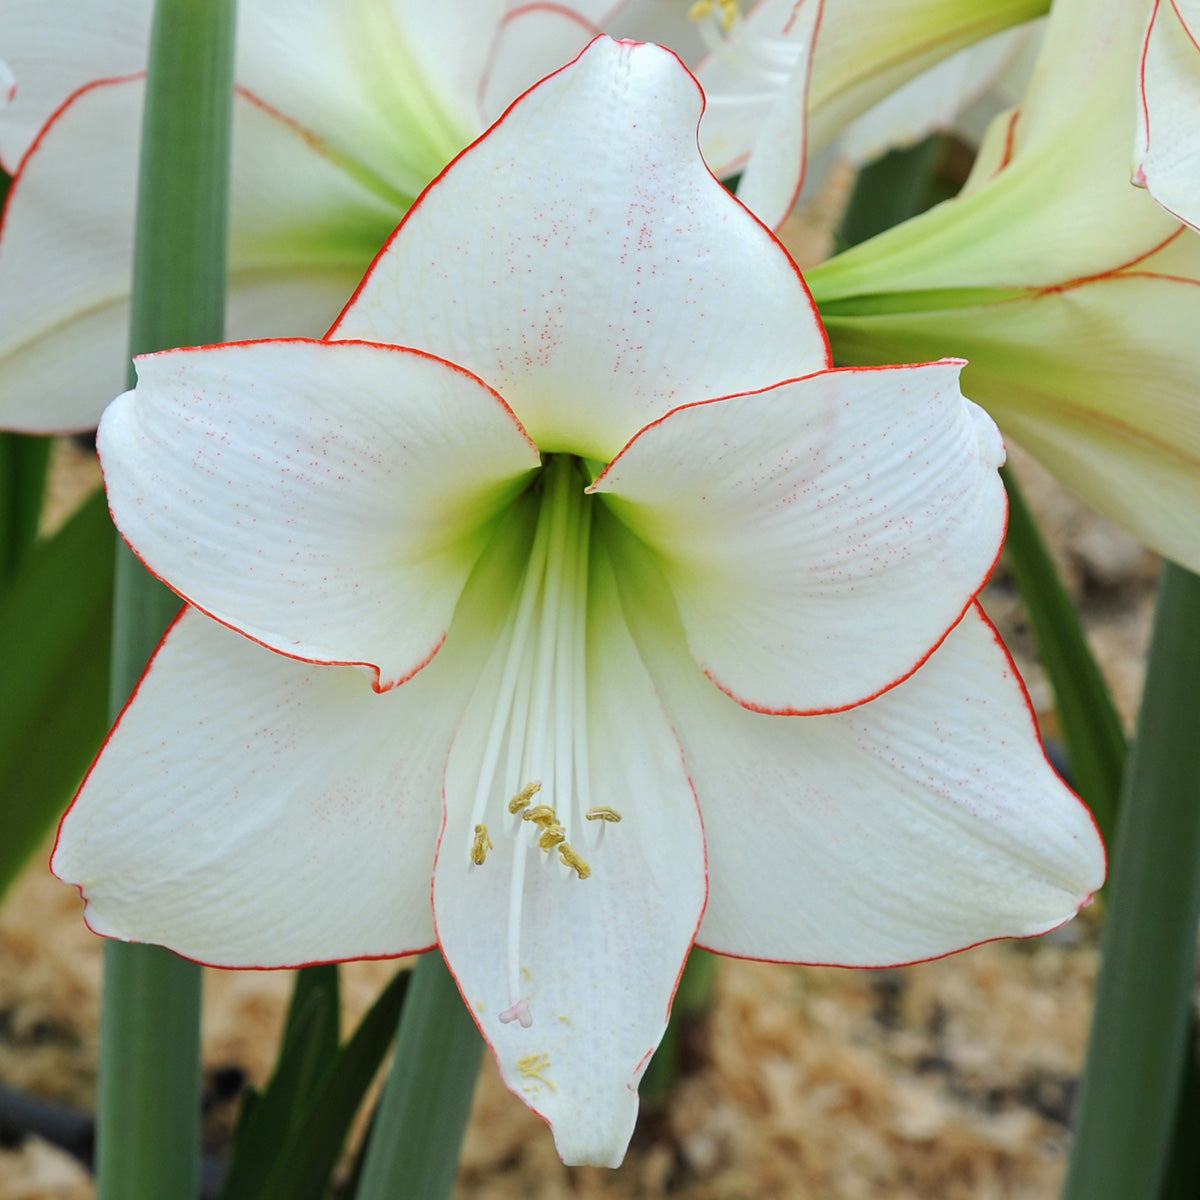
[(517, 1012)]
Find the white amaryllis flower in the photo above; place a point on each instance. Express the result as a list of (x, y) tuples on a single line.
[(1167, 146), (344, 112), (1072, 294), (608, 605)]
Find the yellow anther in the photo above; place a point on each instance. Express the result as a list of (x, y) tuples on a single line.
[(571, 858), (603, 813), (532, 1066), (541, 814), (552, 835), (481, 845), (522, 798), (726, 11)]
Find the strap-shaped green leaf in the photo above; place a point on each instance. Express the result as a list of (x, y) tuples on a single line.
[(23, 462), (273, 1118), (1138, 1044), (54, 626), (1095, 741), (303, 1162)]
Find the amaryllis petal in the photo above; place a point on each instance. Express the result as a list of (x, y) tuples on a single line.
[(1067, 289), (251, 810), (531, 41), (757, 88), (66, 252), (933, 100), (255, 811), (332, 524), (52, 50), (906, 828), (571, 978), (1167, 148), (570, 283), (800, 528)]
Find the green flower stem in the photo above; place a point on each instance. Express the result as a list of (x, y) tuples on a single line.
[(1138, 1043), (1095, 741), (148, 1104), (422, 1117)]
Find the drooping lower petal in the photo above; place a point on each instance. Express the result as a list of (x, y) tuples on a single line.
[(923, 822), (566, 912), (822, 536), (328, 499), (595, 293), (250, 810), (66, 251)]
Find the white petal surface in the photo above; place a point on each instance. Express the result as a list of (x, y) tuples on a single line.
[(1097, 379), (907, 828), (53, 48), (250, 810), (361, 78), (302, 230), (757, 116), (1168, 132), (326, 499), (932, 100), (822, 536), (599, 958), (607, 281), (531, 41)]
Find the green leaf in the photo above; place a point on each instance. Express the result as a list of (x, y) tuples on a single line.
[(418, 1130), (54, 628), (1138, 1044), (1095, 740), (306, 1161), (23, 462), (896, 186), (1183, 1167), (274, 1117)]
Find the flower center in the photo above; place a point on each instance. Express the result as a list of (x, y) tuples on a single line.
[(533, 785)]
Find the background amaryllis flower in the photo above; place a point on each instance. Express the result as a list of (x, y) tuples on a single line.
[(741, 662), (1072, 294), (343, 114), (1167, 149)]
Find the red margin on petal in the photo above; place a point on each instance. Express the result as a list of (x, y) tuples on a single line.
[(640, 1067), (83, 893), (396, 233), (1000, 937), (972, 599), (377, 683)]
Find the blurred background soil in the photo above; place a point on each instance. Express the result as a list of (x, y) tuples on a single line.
[(951, 1079)]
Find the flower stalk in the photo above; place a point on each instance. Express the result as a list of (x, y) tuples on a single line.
[(148, 1109)]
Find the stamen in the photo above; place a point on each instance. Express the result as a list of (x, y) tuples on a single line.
[(725, 12), (523, 797), (603, 813), (553, 836), (542, 815), (571, 859), (481, 845)]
